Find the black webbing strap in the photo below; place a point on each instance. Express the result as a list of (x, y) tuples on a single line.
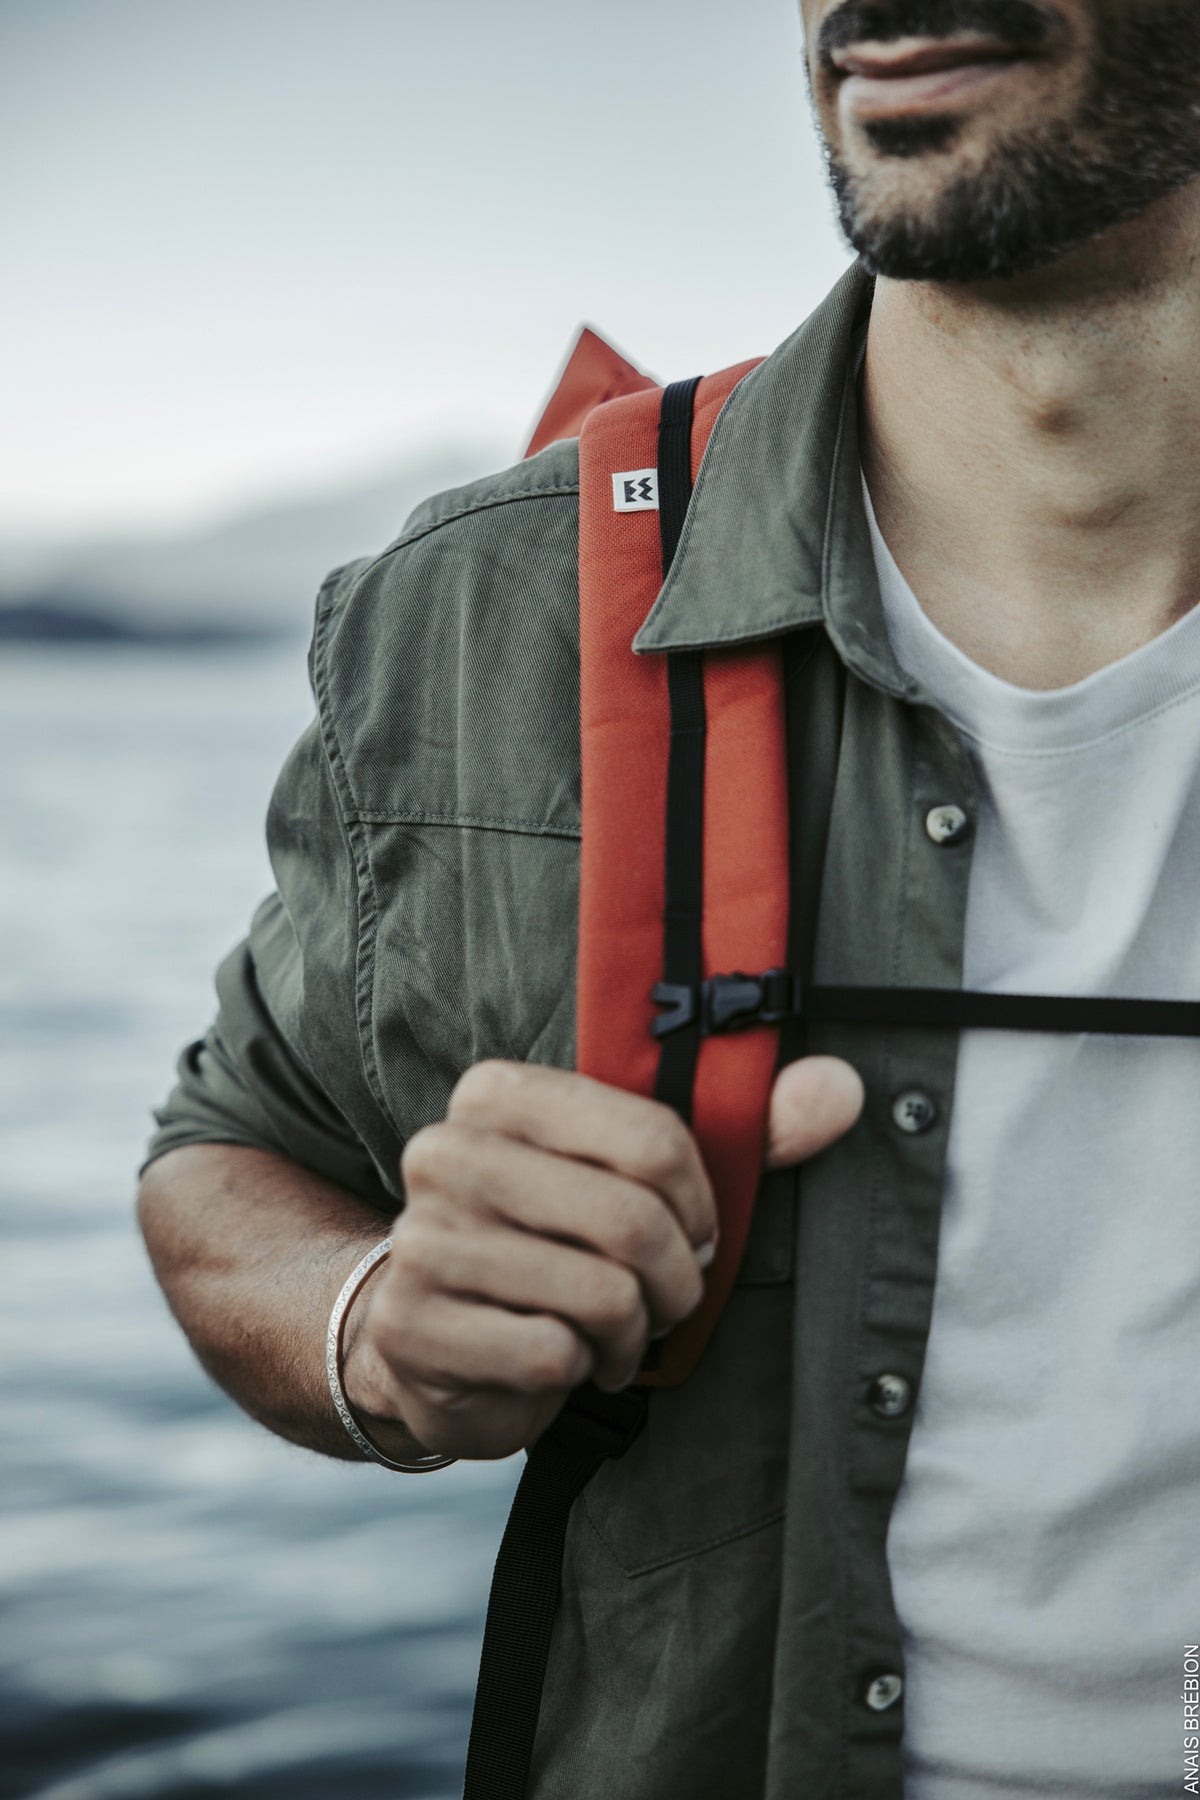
[(735, 1002), (961, 1009), (594, 1426), (526, 1581), (684, 888)]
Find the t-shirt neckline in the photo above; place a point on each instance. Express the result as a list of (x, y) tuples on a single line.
[(1000, 715)]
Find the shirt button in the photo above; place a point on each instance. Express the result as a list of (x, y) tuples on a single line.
[(883, 1691), (890, 1396), (946, 824), (913, 1111)]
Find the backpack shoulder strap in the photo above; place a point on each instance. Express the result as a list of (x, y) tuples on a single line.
[(684, 870)]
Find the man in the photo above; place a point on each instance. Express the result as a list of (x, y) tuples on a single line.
[(965, 498)]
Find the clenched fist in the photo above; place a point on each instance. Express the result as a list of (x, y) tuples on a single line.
[(552, 1226)]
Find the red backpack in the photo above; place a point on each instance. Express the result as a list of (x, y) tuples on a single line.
[(734, 871)]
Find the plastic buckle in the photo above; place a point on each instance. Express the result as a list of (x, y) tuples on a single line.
[(727, 1002), (783, 996), (681, 1004), (734, 1002)]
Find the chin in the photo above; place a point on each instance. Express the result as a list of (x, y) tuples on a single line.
[(931, 206), (1008, 177)]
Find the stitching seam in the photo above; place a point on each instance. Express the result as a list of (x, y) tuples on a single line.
[(677, 1556), (468, 821), (558, 490), (366, 904)]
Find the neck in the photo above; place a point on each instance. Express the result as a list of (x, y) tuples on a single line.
[(1033, 449)]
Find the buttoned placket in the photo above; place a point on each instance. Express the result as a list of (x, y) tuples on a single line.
[(913, 1108), (892, 912)]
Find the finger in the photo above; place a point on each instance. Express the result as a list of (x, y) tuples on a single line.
[(601, 1301), (578, 1117), (450, 1418), (477, 1422), (486, 1423), (447, 1345), (813, 1102), (482, 1422), (490, 1175)]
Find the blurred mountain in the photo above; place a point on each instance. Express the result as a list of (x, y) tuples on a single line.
[(253, 574)]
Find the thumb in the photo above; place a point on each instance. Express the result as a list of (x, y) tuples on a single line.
[(813, 1102)]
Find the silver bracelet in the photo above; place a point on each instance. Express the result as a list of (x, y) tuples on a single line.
[(333, 1368)]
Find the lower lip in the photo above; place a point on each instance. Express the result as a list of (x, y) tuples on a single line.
[(887, 97)]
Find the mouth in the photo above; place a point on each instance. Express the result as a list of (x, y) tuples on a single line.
[(913, 75)]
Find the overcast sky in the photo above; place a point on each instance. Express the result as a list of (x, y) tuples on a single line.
[(253, 244)]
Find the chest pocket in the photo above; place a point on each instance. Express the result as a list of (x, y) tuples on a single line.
[(711, 1464)]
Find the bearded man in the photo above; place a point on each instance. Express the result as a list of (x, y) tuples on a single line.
[(921, 1521)]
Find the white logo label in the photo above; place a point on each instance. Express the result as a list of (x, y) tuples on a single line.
[(636, 491)]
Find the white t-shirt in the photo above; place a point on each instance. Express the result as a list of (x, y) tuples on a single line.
[(1045, 1544)]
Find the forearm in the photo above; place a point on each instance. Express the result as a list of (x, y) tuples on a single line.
[(251, 1251)]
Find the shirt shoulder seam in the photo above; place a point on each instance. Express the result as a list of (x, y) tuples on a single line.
[(549, 491)]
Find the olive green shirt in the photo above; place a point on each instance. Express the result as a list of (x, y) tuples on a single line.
[(727, 1626)]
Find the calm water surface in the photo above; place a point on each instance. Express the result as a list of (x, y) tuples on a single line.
[(190, 1607)]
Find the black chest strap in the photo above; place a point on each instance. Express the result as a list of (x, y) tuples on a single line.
[(737, 1002)]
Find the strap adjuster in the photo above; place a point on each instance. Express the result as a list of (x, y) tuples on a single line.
[(727, 1002)]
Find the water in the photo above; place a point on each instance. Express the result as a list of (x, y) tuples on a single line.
[(190, 1607)]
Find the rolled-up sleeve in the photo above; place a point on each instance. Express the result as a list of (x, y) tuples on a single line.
[(281, 1068), (242, 1084)]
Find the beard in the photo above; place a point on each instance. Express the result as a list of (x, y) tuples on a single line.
[(1041, 191)]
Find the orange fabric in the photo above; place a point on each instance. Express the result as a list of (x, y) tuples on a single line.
[(594, 372), (625, 720), (624, 712)]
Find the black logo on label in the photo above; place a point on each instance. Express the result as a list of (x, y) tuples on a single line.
[(635, 490)]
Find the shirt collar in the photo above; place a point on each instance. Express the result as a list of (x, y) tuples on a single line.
[(776, 534)]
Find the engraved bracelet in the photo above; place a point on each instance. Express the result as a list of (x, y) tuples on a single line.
[(333, 1368)]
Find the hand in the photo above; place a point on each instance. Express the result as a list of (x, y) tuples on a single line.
[(552, 1225)]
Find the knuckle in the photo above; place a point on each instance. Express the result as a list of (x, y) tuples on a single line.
[(416, 1250), (549, 1359), (484, 1089), (613, 1299), (427, 1156), (666, 1151), (637, 1228)]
